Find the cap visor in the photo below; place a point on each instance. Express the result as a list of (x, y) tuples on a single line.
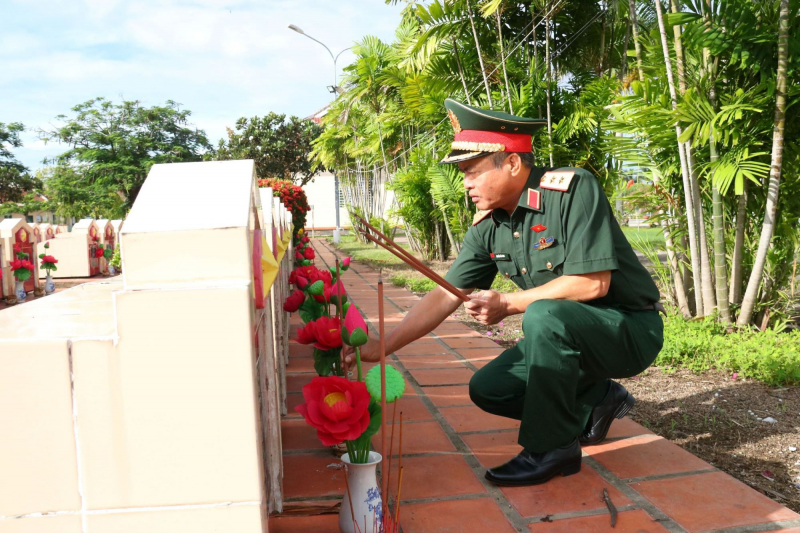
[(457, 156)]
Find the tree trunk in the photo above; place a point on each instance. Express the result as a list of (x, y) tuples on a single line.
[(709, 302), (460, 74), (737, 268), (480, 56), (636, 43), (623, 67), (549, 74), (602, 41), (453, 244), (718, 220), (503, 60), (768, 228), (690, 211), (533, 36), (674, 266)]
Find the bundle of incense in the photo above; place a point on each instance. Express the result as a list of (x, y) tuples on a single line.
[(405, 256)]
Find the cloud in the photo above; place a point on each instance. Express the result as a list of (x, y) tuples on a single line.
[(220, 59)]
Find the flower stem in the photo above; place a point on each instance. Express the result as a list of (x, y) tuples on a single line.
[(358, 363)]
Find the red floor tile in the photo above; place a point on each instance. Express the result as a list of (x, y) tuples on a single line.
[(301, 364), (328, 523), (473, 419), (452, 376), (459, 333), (430, 361), (469, 342), (580, 492), (416, 348), (480, 515), (625, 427), (479, 355), (295, 382), (292, 401), (411, 407), (297, 435), (418, 437), (308, 476), (649, 455), (493, 449), (435, 476), (449, 395), (300, 350), (711, 501), (627, 522)]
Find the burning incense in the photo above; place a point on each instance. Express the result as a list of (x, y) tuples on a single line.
[(402, 254)]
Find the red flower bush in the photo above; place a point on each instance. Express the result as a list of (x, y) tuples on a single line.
[(324, 333), (336, 407), (292, 196), (294, 301)]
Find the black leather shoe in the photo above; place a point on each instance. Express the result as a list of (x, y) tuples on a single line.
[(536, 468), (616, 404)]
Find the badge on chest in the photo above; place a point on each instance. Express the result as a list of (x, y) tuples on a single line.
[(498, 256)]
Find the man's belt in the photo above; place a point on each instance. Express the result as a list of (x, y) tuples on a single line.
[(655, 307)]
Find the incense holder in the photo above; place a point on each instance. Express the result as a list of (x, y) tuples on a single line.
[(364, 494)]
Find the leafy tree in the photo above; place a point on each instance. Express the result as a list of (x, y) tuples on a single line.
[(113, 146), (280, 148), (15, 182)]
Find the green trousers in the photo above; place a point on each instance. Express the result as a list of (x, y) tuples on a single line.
[(553, 378)]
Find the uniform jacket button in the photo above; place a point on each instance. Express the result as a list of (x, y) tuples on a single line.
[(524, 270), (549, 264), (516, 235), (506, 274)]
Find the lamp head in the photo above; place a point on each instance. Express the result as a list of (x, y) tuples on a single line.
[(295, 28)]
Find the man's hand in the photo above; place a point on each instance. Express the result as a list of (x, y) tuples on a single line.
[(370, 353), (487, 307)]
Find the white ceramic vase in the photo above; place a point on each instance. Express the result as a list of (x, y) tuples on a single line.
[(112, 270), (364, 493), (49, 286), (19, 290)]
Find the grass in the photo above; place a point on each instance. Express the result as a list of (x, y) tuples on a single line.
[(419, 284), (645, 236), (367, 253)]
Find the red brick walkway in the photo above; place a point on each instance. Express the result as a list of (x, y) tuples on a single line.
[(448, 443)]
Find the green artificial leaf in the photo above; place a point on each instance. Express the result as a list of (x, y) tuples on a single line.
[(310, 310), (317, 288), (395, 384), (23, 274), (374, 426), (41, 256), (359, 337)]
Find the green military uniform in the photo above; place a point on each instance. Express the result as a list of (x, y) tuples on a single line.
[(551, 380)]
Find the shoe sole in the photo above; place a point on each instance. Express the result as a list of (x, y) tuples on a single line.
[(622, 410), (567, 470)]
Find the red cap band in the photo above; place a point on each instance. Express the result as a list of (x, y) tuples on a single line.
[(513, 142)]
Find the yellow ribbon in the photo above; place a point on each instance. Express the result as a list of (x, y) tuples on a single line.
[(269, 266)]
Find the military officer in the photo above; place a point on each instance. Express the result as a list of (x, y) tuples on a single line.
[(590, 309)]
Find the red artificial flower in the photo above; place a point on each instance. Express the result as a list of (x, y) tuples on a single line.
[(49, 259), (17, 247), (298, 255), (304, 238), (334, 292), (308, 253), (98, 253), (21, 263), (324, 333), (294, 301), (302, 282), (346, 262), (336, 407)]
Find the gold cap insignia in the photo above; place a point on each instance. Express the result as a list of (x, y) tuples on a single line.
[(454, 121)]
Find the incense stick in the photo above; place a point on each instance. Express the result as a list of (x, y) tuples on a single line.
[(391, 449), (384, 482)]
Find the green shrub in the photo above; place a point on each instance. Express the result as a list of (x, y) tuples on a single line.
[(770, 357), (414, 283)]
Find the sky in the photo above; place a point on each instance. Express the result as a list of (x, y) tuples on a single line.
[(221, 60)]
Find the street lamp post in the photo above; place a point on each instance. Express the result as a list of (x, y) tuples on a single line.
[(337, 233)]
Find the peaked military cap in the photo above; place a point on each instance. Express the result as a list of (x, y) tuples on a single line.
[(479, 132)]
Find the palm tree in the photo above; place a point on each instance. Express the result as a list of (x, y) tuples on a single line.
[(768, 228), (690, 207)]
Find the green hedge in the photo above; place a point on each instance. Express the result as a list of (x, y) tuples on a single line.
[(770, 357)]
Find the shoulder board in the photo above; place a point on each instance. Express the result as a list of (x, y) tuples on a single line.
[(557, 180), (480, 215)]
